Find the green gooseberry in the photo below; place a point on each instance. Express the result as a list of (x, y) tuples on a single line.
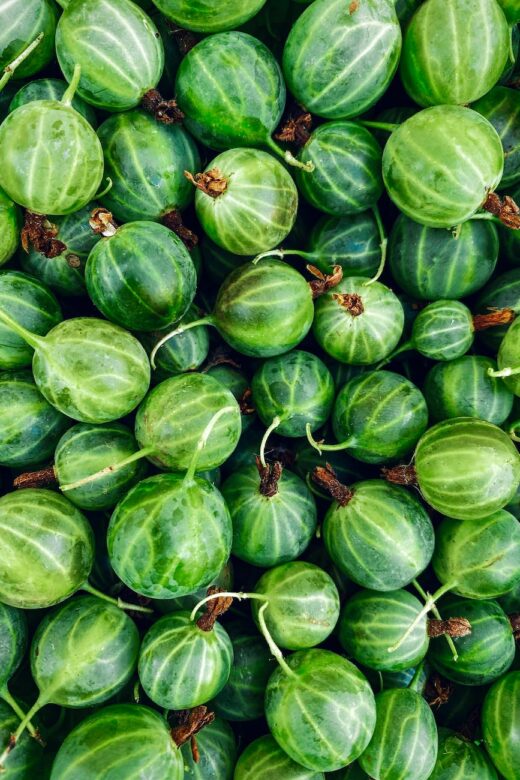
[(13, 644), (501, 106), (184, 663), (185, 353), (209, 16), (509, 359), (500, 724), (264, 758), (320, 709), (141, 276), (467, 469), (457, 754), (119, 742), (21, 22), (216, 753), (440, 165), (405, 741), (29, 426), (10, 226), (223, 581), (50, 89), (503, 292), (116, 70), (51, 161), (302, 604)]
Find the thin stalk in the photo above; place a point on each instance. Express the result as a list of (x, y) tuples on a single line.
[(406, 347), (275, 423), (11, 67), (512, 58), (428, 607), (512, 430), (88, 588), (437, 614), (312, 487), (139, 455), (388, 126), (107, 189), (326, 447), (24, 724), (504, 372), (11, 701), (68, 96), (486, 215), (414, 682), (204, 440), (176, 332), (383, 245), (136, 691), (281, 253), (32, 339), (289, 158)]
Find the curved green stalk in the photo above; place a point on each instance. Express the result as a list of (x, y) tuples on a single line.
[(326, 447), (24, 724), (68, 96), (204, 440), (289, 158), (281, 253), (406, 347), (11, 67), (139, 455), (107, 189), (414, 682), (30, 338), (88, 588), (437, 614), (383, 245), (275, 423), (11, 701), (512, 430), (504, 371), (428, 607), (176, 332), (388, 126)]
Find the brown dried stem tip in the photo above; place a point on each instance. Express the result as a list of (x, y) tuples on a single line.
[(188, 724), (354, 5), (296, 129), (211, 182), (213, 610), (326, 478), (102, 222), (244, 402), (165, 111), (324, 282), (495, 317), (504, 208), (514, 619), (173, 220), (269, 477), (41, 234), (438, 691), (454, 627), (351, 302), (400, 475), (184, 39), (36, 479)]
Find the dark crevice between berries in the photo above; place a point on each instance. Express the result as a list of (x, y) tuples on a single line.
[(454, 627), (514, 619), (167, 112), (400, 475), (351, 302), (269, 477), (438, 691), (188, 723), (211, 182), (36, 479), (326, 478), (102, 222), (324, 282), (184, 39), (221, 356), (296, 128), (494, 318), (504, 208), (213, 610), (41, 234), (245, 403), (173, 220)]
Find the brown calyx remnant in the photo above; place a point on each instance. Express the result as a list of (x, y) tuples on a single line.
[(400, 475), (438, 691), (454, 627), (36, 479), (102, 222), (269, 477), (325, 477), (73, 260), (173, 220), (354, 5), (324, 282), (188, 723), (495, 317), (514, 619), (296, 129), (41, 234), (504, 208), (351, 302), (244, 402), (184, 39), (165, 111), (210, 182), (213, 610)]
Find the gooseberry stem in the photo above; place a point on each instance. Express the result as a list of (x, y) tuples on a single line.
[(275, 423), (281, 253), (504, 371), (428, 607), (32, 339), (320, 447), (139, 455), (273, 647), (414, 682), (176, 332), (388, 126), (107, 189), (11, 701), (204, 440), (383, 245), (289, 158), (512, 430), (68, 96), (406, 347), (11, 67), (88, 588), (437, 614), (23, 725)]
